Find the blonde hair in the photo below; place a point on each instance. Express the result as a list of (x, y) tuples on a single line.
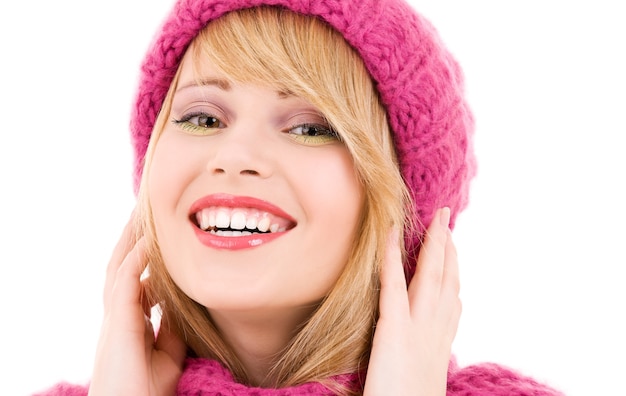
[(306, 57)]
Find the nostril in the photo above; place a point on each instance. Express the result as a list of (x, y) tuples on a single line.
[(222, 171)]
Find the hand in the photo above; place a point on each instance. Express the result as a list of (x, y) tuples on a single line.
[(413, 338), (130, 360)]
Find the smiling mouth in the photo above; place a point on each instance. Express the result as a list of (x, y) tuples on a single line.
[(236, 222)]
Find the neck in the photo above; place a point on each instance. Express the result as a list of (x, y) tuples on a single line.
[(258, 339)]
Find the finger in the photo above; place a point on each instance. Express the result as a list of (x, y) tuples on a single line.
[(170, 343), (426, 284), (124, 304), (121, 250), (451, 279), (393, 292), (449, 301), (146, 296), (127, 289)]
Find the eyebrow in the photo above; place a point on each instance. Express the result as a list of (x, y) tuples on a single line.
[(283, 94), (208, 82), (225, 86)]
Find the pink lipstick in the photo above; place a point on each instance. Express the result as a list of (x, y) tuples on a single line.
[(224, 221)]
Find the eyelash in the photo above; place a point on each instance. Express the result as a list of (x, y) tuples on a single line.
[(185, 123), (328, 133)]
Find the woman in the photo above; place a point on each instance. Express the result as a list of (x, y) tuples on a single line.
[(287, 154)]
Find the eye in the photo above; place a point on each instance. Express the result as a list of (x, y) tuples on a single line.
[(313, 133), (199, 123)]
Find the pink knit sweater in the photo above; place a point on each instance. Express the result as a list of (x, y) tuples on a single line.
[(203, 377)]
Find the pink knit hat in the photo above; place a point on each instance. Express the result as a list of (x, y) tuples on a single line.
[(418, 80)]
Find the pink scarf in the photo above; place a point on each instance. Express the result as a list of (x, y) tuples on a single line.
[(202, 377)]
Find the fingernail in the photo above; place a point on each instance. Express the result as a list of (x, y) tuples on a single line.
[(444, 217)]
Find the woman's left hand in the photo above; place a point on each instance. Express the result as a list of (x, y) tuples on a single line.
[(413, 339)]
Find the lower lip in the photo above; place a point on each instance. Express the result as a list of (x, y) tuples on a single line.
[(235, 243)]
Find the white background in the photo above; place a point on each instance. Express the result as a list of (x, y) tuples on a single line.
[(541, 245)]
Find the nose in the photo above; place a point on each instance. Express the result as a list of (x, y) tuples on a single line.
[(238, 153)]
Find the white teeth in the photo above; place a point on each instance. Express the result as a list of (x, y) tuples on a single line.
[(227, 233), (222, 219), (251, 223), (230, 233), (238, 220), (200, 219), (211, 217), (264, 224), (204, 220)]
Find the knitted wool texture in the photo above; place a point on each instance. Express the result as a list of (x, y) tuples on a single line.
[(419, 82), (203, 377)]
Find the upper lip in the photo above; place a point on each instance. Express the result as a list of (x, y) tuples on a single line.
[(281, 221)]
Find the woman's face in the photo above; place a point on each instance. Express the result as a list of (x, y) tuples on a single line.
[(255, 201)]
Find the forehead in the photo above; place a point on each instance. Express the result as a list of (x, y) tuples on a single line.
[(193, 70), (198, 70)]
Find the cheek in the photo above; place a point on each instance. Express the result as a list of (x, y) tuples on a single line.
[(170, 174), (336, 190), (333, 199), (161, 172), (171, 170)]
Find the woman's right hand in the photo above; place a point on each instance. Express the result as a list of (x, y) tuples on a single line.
[(130, 359)]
